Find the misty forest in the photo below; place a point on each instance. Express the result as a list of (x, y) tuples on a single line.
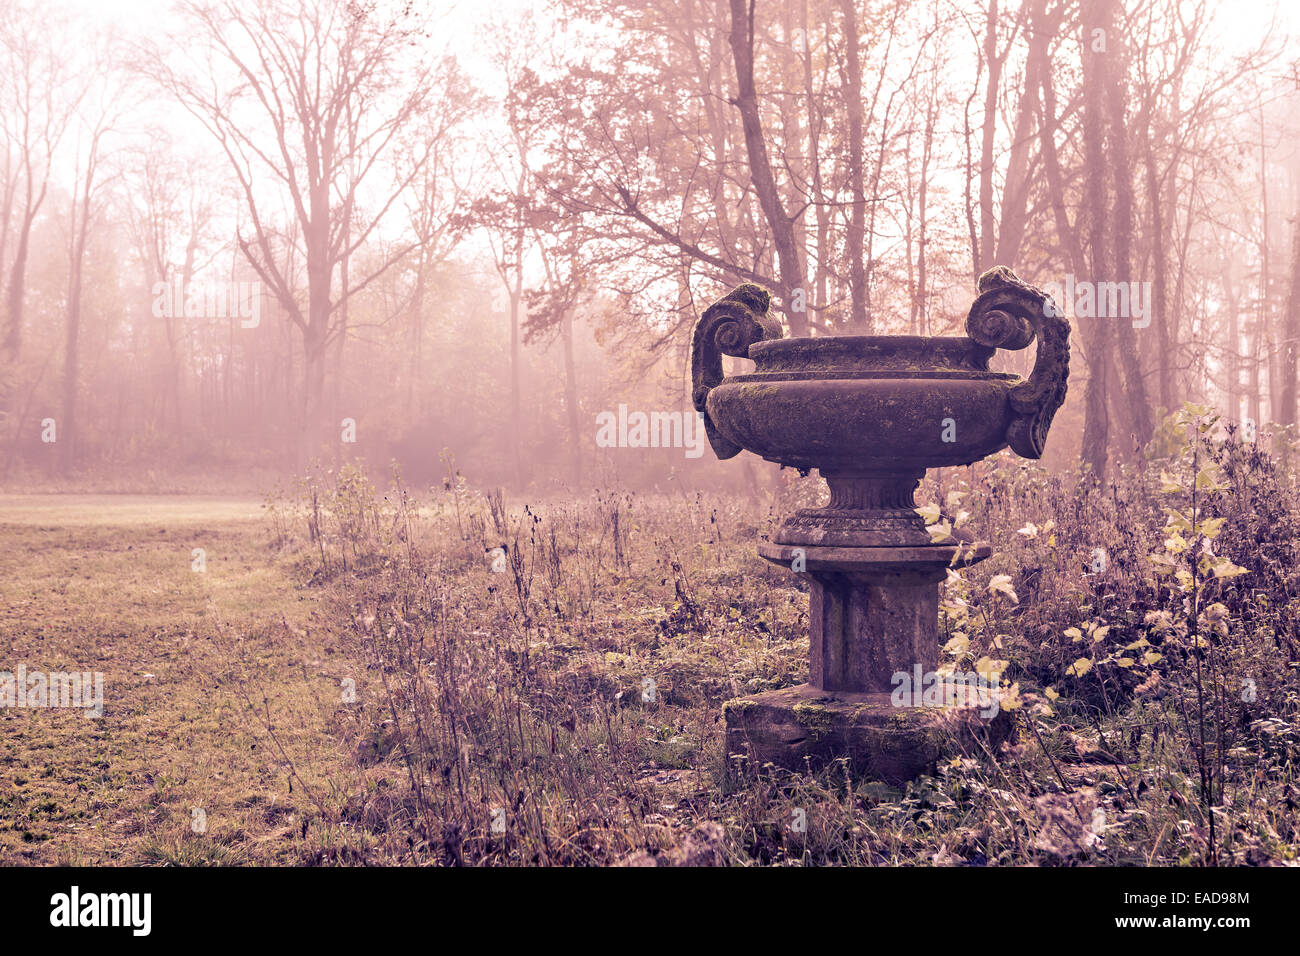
[(649, 432)]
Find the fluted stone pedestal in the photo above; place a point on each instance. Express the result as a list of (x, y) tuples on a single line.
[(873, 613)]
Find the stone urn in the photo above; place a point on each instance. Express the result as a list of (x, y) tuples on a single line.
[(871, 413)]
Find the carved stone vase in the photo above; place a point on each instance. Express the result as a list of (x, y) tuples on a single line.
[(871, 413)]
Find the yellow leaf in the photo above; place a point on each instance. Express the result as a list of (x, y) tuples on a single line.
[(1001, 583), (1011, 698), (940, 532), (1205, 481), (929, 513), (958, 646), (1079, 667), (1210, 527), (1226, 569)]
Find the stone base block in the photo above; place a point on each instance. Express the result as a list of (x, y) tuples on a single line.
[(804, 726)]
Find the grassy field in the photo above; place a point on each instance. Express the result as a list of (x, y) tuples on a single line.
[(363, 675), (107, 583)]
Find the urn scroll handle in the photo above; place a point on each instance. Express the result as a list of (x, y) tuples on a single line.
[(728, 327), (1009, 313)]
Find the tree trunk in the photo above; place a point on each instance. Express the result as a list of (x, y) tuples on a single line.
[(986, 248), (1014, 214), (1232, 355), (1159, 277), (1096, 331), (858, 320), (68, 436), (571, 399), (313, 406), (820, 211), (516, 296), (1290, 350), (1113, 68), (13, 342), (760, 168)]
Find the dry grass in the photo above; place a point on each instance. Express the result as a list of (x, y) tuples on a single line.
[(106, 584), (566, 708)]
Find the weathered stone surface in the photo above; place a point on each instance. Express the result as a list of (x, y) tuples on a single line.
[(870, 424), (867, 405), (861, 632), (804, 727), (932, 559), (864, 511), (872, 413), (872, 611)]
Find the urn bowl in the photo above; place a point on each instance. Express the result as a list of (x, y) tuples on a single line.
[(858, 404), (872, 412)]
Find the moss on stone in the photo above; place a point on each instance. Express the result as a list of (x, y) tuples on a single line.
[(814, 716), (738, 706)]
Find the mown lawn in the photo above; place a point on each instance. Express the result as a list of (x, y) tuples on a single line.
[(107, 583)]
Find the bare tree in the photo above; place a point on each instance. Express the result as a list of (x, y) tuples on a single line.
[(41, 93), (102, 112), (1291, 332), (779, 221), (314, 97)]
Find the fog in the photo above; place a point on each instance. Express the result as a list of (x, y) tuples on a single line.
[(236, 240)]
